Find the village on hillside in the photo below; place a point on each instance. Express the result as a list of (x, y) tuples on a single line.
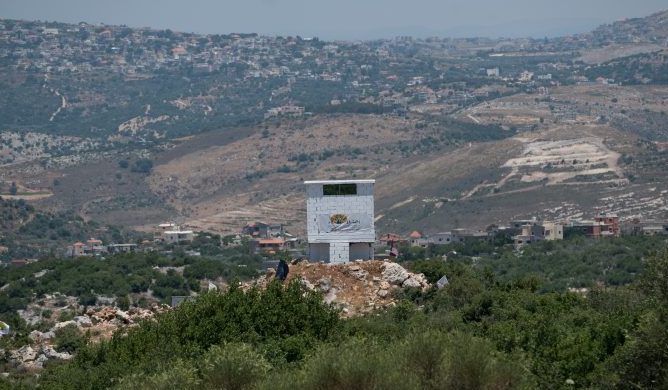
[(353, 236)]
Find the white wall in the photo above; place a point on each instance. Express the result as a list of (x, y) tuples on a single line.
[(318, 205)]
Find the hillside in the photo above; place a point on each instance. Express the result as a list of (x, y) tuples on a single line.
[(650, 29), (576, 168), (28, 233), (137, 126)]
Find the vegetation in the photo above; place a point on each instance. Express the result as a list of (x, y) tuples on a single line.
[(479, 332), (117, 276), (576, 262), (28, 233)]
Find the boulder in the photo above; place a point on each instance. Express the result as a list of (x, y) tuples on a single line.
[(415, 281), (307, 285), (39, 362), (330, 296), (35, 336), (51, 353), (48, 335), (61, 325), (382, 293), (393, 273), (324, 284), (411, 283), (24, 354), (83, 321), (123, 317)]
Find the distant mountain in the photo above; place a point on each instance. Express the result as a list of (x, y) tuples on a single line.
[(650, 29)]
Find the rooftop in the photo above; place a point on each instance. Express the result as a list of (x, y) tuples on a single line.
[(370, 181)]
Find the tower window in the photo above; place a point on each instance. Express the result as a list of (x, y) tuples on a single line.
[(339, 189)]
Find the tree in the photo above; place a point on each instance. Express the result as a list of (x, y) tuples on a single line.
[(143, 165), (13, 189)]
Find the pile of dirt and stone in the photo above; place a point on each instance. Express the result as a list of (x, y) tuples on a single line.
[(357, 287)]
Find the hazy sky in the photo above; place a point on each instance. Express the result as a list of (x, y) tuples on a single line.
[(343, 19)]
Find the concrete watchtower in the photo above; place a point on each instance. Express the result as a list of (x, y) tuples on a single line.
[(340, 220)]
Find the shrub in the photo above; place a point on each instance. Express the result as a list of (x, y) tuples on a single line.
[(69, 339), (143, 165), (357, 364), (180, 375), (233, 366)]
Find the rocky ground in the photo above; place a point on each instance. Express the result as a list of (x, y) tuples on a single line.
[(99, 323)]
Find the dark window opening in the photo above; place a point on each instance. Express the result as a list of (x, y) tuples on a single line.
[(339, 189)]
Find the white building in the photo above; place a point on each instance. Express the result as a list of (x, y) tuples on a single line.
[(174, 236), (340, 220)]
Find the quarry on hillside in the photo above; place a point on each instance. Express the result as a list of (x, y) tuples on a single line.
[(571, 160)]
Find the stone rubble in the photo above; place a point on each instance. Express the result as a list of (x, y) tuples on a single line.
[(99, 322), (355, 288)]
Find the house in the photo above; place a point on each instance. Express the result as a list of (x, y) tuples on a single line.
[(177, 235), (92, 247), (538, 231), (654, 230), (414, 238), (468, 235), (18, 262), (446, 238), (528, 234), (591, 229), (612, 223), (269, 246), (391, 238), (525, 76), (552, 231), (77, 249), (263, 230), (122, 248), (166, 226), (493, 72), (340, 220)]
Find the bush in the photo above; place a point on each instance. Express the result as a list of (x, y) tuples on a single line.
[(233, 366), (255, 317), (356, 364), (143, 165), (69, 339), (180, 375)]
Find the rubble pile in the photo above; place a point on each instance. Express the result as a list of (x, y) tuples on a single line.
[(98, 322), (357, 287)]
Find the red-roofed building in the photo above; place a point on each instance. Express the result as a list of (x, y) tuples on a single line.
[(388, 238)]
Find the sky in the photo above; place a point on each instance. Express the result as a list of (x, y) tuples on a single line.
[(343, 19)]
